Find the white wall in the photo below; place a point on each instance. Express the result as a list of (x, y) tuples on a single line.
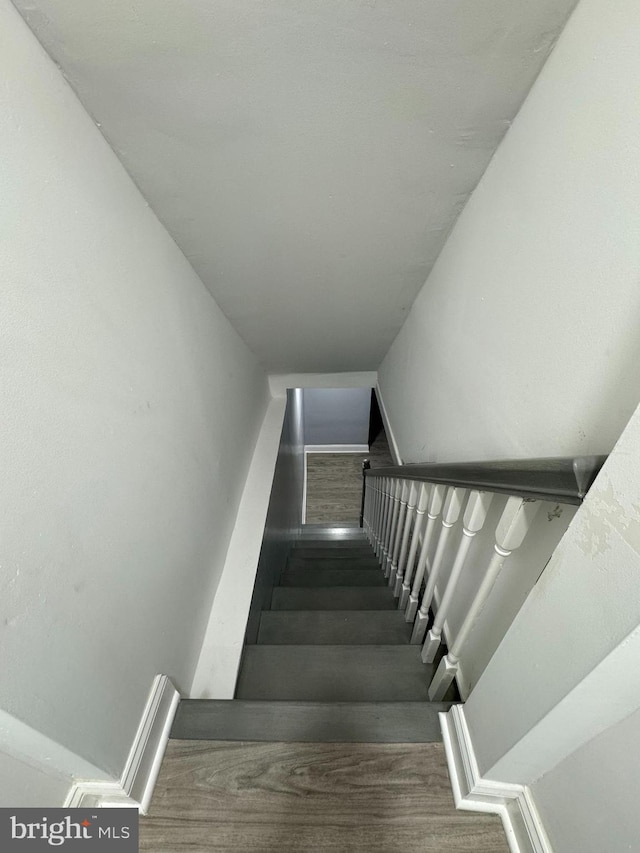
[(130, 412), (524, 340), (589, 802), (336, 415)]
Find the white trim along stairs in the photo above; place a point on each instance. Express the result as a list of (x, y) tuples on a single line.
[(138, 779)]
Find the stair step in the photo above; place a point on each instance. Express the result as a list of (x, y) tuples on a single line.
[(366, 561), (333, 598), (333, 577), (333, 534), (332, 553), (309, 722), (334, 674), (333, 627)]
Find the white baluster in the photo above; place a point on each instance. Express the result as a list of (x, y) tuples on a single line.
[(377, 512), (372, 493), (384, 515), (371, 502), (414, 489), (510, 533), (421, 508), (436, 500), (365, 500), (474, 517), (450, 515), (405, 491), (395, 511)]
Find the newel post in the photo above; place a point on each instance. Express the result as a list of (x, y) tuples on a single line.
[(510, 533)]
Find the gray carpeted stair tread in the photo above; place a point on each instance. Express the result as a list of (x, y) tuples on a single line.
[(334, 673), (333, 598), (307, 577), (315, 722), (333, 627)]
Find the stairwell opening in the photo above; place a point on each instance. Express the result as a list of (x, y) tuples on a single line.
[(342, 428)]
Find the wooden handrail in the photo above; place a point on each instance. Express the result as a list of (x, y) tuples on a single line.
[(565, 479)]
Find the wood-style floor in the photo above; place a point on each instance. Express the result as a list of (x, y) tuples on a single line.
[(334, 482), (233, 797)]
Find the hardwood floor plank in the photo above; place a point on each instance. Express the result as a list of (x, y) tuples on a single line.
[(234, 796)]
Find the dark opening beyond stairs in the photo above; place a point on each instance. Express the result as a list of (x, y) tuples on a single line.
[(332, 661)]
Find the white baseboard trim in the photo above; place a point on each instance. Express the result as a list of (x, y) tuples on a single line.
[(145, 757), (514, 803), (336, 448)]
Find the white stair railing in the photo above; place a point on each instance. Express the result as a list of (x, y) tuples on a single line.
[(415, 556)]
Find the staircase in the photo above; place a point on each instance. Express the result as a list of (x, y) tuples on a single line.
[(332, 661)]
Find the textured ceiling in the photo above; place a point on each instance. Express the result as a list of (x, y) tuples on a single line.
[(308, 156)]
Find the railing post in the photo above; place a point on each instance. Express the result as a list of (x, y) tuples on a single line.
[(414, 489), (394, 512), (474, 517), (365, 467), (450, 516), (384, 515), (377, 497), (512, 528), (405, 492), (405, 578), (435, 506), (368, 507)]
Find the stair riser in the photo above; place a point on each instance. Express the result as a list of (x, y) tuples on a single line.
[(333, 628), (303, 577), (334, 598), (309, 722), (314, 563), (332, 553)]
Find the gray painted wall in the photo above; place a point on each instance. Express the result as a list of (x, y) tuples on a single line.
[(589, 802), (284, 515), (524, 340), (130, 412), (336, 415)]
